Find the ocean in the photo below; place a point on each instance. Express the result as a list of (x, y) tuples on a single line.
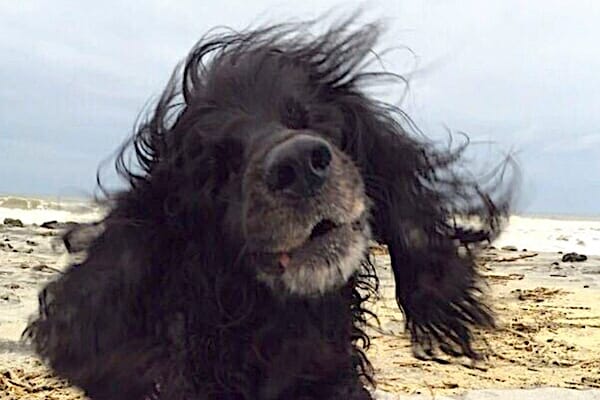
[(37, 210), (552, 233), (548, 233)]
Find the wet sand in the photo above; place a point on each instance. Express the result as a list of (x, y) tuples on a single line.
[(549, 333)]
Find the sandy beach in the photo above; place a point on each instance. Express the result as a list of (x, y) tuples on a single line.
[(549, 334)]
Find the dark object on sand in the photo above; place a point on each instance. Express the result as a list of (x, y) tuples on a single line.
[(58, 225), (510, 248), (49, 225), (573, 257), (13, 222), (236, 264)]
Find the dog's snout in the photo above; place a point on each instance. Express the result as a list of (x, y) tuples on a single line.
[(298, 166)]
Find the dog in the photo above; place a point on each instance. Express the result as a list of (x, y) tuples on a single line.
[(235, 265)]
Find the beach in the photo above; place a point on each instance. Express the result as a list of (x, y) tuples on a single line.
[(547, 344)]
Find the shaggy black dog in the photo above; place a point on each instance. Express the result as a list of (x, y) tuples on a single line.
[(236, 264)]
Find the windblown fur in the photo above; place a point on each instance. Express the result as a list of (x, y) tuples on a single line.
[(168, 303)]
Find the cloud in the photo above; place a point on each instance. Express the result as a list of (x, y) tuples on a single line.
[(522, 75), (567, 144)]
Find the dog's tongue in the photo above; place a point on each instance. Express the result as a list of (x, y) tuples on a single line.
[(284, 260)]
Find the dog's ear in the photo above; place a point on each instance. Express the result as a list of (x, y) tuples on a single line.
[(416, 197), (89, 319)]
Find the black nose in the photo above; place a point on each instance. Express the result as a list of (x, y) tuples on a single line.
[(299, 166)]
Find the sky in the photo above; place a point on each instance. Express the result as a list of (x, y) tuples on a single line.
[(516, 76)]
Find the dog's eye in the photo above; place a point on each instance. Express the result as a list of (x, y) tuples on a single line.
[(193, 149), (229, 156), (294, 115)]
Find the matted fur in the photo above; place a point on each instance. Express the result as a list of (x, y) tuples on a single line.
[(167, 303)]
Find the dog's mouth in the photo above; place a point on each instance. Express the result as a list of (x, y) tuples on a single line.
[(324, 236), (321, 260), (323, 227), (320, 232)]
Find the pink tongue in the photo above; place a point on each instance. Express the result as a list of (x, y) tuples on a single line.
[(284, 260)]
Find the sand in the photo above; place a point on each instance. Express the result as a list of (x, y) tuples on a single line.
[(549, 333)]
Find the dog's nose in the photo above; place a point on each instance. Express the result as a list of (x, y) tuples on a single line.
[(299, 166)]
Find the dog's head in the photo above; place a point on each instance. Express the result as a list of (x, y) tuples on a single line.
[(261, 154), (266, 150), (291, 202)]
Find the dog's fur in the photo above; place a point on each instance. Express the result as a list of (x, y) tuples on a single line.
[(183, 295)]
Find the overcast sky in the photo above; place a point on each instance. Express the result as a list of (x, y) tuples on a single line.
[(524, 75)]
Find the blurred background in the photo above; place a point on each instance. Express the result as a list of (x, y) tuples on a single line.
[(515, 76)]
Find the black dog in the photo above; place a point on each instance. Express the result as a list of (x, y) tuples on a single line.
[(236, 264)]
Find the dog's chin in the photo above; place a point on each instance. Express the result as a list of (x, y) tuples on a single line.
[(323, 262)]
